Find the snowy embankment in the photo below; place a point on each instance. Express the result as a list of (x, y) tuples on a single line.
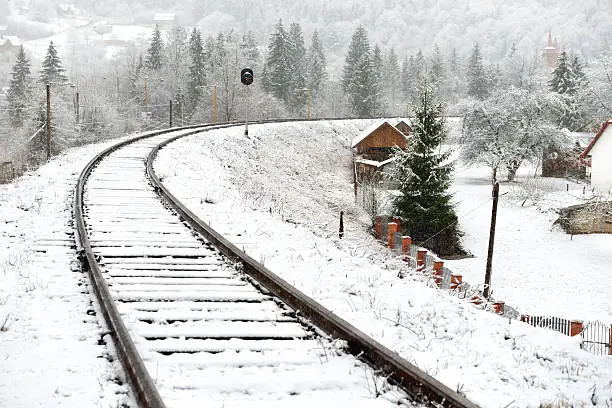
[(278, 195), (52, 347)]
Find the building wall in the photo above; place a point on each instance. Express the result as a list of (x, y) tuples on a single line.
[(601, 162)]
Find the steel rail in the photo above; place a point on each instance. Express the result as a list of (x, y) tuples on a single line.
[(141, 382), (414, 381)]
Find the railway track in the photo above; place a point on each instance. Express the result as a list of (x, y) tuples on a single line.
[(195, 321)]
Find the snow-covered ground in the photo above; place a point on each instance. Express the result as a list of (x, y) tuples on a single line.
[(537, 267), (52, 348), (278, 195)]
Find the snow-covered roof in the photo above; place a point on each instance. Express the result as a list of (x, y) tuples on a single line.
[(374, 163), (15, 41), (371, 130), (597, 136)]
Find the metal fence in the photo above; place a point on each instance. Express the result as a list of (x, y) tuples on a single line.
[(549, 322), (596, 338)]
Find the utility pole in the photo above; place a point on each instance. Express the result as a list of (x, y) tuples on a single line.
[(170, 112), (487, 284), (77, 107), (48, 121)]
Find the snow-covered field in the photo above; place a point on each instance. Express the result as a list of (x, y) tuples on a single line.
[(52, 351), (278, 195)]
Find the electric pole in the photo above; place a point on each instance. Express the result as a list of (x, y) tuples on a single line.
[(48, 121), (487, 284)]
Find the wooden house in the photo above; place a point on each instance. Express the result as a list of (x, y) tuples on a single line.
[(597, 157), (404, 127), (373, 149)]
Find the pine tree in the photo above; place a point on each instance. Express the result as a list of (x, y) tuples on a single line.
[(317, 65), (568, 79), (562, 81), (477, 78), (438, 70), (392, 78), (359, 77), (153, 60), (297, 67), (378, 65), (197, 67), (278, 70), (423, 178), (19, 91), (52, 71)]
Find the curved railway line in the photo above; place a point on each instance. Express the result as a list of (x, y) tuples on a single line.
[(195, 321)]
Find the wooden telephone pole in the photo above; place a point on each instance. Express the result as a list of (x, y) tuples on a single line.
[(487, 284)]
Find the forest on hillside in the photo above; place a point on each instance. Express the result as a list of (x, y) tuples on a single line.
[(333, 59)]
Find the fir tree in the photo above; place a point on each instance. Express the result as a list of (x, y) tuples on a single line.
[(197, 73), (423, 177), (569, 80), (19, 91), (359, 77), (278, 70), (297, 64), (153, 60), (392, 78), (438, 70), (378, 65), (477, 78), (317, 65), (52, 71)]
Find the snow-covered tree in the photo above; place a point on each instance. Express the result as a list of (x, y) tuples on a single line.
[(508, 128), (422, 174), (197, 68), (297, 68), (52, 70), (359, 76), (317, 65), (478, 80), (278, 65), (153, 60), (19, 91), (392, 80), (569, 80)]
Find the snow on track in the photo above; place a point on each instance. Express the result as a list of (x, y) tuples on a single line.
[(204, 331)]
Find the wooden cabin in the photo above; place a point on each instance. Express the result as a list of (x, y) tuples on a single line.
[(373, 150), (377, 142)]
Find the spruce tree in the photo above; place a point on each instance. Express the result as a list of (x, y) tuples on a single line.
[(423, 176), (317, 65), (278, 69), (477, 78), (19, 91), (153, 60), (438, 70), (359, 76), (197, 68), (52, 71), (297, 67), (392, 78), (563, 81)]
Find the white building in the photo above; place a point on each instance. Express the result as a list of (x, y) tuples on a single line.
[(598, 155)]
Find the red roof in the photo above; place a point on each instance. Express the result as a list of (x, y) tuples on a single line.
[(584, 154)]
